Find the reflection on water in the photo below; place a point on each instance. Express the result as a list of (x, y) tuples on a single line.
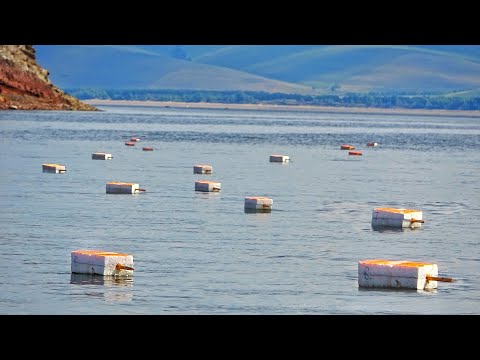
[(257, 211), (95, 279), (399, 290), (389, 229), (113, 286)]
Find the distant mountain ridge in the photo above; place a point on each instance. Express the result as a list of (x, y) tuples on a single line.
[(301, 69)]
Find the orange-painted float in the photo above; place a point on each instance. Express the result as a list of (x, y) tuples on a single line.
[(398, 274), (397, 218), (101, 262), (347, 147)]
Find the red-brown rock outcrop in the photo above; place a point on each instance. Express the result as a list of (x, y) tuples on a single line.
[(24, 85)]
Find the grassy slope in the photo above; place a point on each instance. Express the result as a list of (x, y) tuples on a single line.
[(436, 67), (245, 67), (94, 66)]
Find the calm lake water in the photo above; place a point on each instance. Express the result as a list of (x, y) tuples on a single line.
[(201, 253)]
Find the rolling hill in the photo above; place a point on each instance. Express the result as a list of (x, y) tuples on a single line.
[(302, 69), (131, 67)]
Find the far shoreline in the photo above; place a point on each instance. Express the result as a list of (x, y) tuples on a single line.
[(270, 107)]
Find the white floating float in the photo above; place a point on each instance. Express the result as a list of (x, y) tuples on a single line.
[(397, 218), (207, 186), (101, 262), (401, 274), (53, 168), (279, 158), (134, 139), (101, 156), (372, 144), (116, 187), (202, 169), (258, 203)]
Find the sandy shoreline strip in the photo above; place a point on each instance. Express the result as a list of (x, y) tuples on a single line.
[(324, 109)]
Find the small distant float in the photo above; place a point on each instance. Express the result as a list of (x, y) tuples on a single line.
[(357, 153), (118, 187), (147, 148), (258, 204), (202, 169), (372, 144), (54, 168), (397, 218), (279, 158), (134, 139), (347, 147), (207, 186), (129, 143), (101, 156)]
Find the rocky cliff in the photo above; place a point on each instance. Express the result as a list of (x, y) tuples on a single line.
[(24, 85)]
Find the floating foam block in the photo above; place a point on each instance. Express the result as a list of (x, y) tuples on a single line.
[(129, 143), (202, 169), (116, 187), (54, 168), (372, 144), (207, 186), (101, 262), (398, 218), (279, 158), (258, 203), (147, 148), (134, 139), (402, 274), (357, 153), (347, 147), (101, 156)]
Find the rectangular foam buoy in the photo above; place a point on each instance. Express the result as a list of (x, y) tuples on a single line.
[(101, 262), (279, 158), (101, 156), (147, 148), (397, 218), (54, 168), (347, 147), (258, 203), (116, 187), (357, 153), (134, 139), (129, 143), (207, 186), (401, 274), (202, 169)]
